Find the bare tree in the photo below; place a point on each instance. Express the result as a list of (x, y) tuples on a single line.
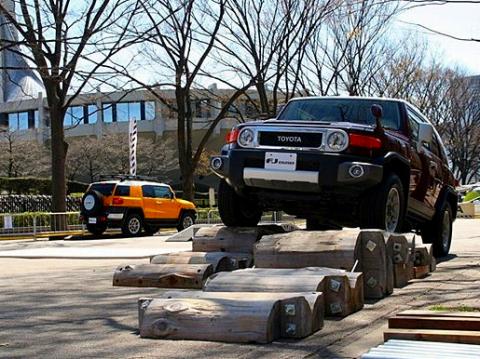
[(56, 37)]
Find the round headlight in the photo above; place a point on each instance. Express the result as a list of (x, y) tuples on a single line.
[(337, 141), (246, 138)]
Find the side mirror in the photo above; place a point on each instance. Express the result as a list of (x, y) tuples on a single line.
[(425, 134)]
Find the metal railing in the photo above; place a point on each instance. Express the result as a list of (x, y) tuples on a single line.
[(35, 225), (213, 217)]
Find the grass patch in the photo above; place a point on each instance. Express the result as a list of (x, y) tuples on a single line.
[(460, 308)]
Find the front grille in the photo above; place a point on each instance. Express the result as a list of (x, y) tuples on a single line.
[(290, 139)]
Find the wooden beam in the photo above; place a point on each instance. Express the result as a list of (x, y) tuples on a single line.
[(429, 322), (420, 272), (437, 313), (162, 275), (450, 336)]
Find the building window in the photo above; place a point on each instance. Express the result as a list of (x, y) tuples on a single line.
[(36, 119), (18, 121), (92, 114), (149, 110), (73, 116), (108, 112), (127, 111)]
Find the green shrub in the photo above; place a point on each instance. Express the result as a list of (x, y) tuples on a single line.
[(34, 185)]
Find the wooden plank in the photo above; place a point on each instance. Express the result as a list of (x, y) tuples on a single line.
[(298, 318), (450, 336), (437, 313), (429, 322), (162, 275), (423, 255), (221, 319), (399, 248), (221, 261), (421, 271), (298, 249)]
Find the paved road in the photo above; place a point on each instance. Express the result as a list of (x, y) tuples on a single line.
[(67, 308)]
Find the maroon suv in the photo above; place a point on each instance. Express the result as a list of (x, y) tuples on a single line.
[(341, 161)]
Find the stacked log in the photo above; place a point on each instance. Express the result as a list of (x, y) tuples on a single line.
[(230, 317), (298, 318), (340, 300), (424, 258), (184, 276), (399, 247), (221, 261)]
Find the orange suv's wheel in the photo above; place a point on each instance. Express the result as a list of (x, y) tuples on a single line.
[(186, 221), (133, 225)]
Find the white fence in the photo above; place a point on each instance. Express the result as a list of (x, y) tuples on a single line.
[(35, 225)]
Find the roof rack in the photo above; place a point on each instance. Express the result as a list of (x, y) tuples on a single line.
[(124, 177)]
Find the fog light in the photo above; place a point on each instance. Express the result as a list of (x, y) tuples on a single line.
[(356, 171), (216, 163)]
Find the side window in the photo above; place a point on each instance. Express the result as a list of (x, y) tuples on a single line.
[(413, 124), (148, 191), (122, 191), (435, 147), (162, 192)]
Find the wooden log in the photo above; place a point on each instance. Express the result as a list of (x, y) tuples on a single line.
[(163, 275), (376, 263), (402, 274), (421, 271), (450, 336), (298, 249), (355, 300), (438, 313), (298, 318), (430, 322), (398, 246), (221, 261), (335, 286), (423, 255), (237, 320), (234, 239)]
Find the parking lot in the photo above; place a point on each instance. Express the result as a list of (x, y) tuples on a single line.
[(66, 306)]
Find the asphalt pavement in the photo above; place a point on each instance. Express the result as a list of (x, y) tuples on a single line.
[(65, 306)]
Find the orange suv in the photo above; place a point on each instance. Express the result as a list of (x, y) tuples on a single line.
[(132, 204)]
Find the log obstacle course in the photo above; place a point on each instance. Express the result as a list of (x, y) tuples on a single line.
[(298, 278)]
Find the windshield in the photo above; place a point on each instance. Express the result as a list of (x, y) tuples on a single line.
[(104, 188), (341, 110)]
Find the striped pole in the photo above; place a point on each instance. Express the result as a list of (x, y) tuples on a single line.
[(133, 138)]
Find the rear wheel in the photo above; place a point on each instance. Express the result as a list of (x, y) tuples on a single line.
[(96, 229), (384, 207), (132, 225), (187, 220), (236, 211), (439, 231)]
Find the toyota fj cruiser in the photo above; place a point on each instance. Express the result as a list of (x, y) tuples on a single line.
[(133, 205), (341, 161)]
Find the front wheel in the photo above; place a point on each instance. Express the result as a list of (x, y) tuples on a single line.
[(236, 211), (439, 231), (132, 225), (187, 220), (384, 207)]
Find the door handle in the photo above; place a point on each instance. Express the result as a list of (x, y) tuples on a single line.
[(158, 202)]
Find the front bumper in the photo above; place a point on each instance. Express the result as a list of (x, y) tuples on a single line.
[(314, 172)]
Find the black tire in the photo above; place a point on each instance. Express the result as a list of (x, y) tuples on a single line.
[(96, 229), (439, 231), (314, 224), (132, 225), (385, 200), (92, 203), (236, 211), (151, 229), (186, 220)]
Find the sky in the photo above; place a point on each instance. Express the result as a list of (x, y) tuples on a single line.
[(461, 20)]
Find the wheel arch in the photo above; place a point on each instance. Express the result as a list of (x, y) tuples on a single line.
[(449, 196), (394, 163)]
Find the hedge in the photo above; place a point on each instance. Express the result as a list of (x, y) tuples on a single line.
[(34, 185)]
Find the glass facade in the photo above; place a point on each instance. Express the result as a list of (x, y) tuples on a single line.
[(149, 110), (74, 116), (127, 111), (18, 121)]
